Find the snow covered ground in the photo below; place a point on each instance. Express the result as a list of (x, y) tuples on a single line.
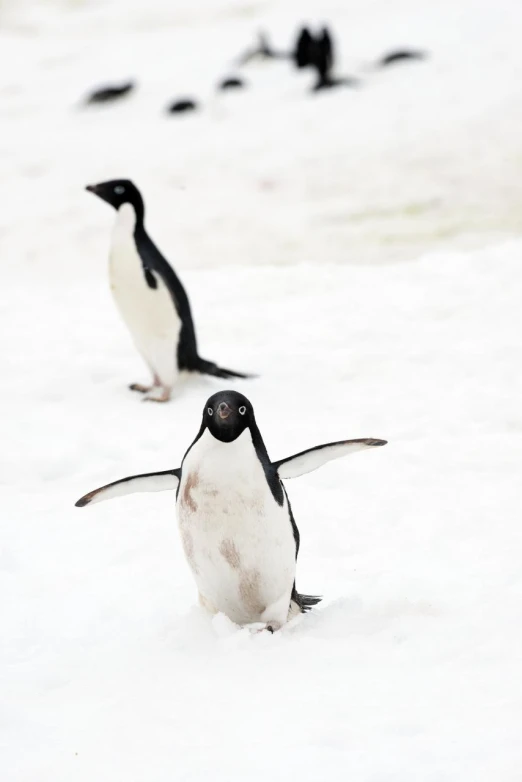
[(289, 218)]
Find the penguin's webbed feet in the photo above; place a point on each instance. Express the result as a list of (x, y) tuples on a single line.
[(262, 627), (140, 388), (161, 394)]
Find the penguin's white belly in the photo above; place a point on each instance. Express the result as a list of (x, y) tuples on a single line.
[(238, 541), (149, 313)]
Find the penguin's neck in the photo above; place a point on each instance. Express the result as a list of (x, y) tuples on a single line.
[(223, 463), (127, 221)]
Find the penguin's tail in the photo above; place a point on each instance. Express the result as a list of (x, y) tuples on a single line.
[(305, 602), (209, 368)]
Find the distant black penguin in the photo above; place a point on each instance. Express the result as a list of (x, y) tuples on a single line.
[(313, 50), (236, 524), (318, 52), (326, 48), (401, 55), (150, 297), (304, 48), (323, 63), (181, 106), (231, 83), (110, 92)]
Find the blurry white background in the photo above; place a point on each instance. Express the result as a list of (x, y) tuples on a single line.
[(422, 156)]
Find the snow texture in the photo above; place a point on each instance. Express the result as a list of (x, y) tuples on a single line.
[(361, 251)]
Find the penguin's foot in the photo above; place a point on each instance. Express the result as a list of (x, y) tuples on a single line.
[(161, 394), (262, 627), (275, 615), (140, 388)]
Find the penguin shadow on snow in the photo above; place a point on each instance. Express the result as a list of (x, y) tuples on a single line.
[(151, 298)]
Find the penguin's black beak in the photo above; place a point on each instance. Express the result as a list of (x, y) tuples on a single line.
[(101, 191), (223, 411)]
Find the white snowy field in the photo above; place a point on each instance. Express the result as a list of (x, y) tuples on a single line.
[(289, 218)]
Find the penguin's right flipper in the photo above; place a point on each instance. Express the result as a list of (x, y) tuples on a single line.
[(150, 481), (312, 458)]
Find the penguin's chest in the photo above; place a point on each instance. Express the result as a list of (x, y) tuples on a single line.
[(148, 312), (238, 540)]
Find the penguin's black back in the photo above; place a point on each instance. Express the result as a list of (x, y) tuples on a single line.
[(187, 350), (153, 261)]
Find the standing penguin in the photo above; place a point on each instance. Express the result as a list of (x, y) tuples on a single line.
[(150, 297), (236, 524)]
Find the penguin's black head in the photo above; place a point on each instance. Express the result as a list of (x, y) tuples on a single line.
[(118, 192), (227, 414)]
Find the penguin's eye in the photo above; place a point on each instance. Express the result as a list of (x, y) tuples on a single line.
[(210, 411), (119, 189), (242, 410)]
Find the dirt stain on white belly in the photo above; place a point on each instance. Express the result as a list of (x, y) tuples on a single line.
[(250, 591), (191, 484), (229, 552)]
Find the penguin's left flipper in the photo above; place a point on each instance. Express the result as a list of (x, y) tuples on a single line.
[(151, 481), (310, 460)]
